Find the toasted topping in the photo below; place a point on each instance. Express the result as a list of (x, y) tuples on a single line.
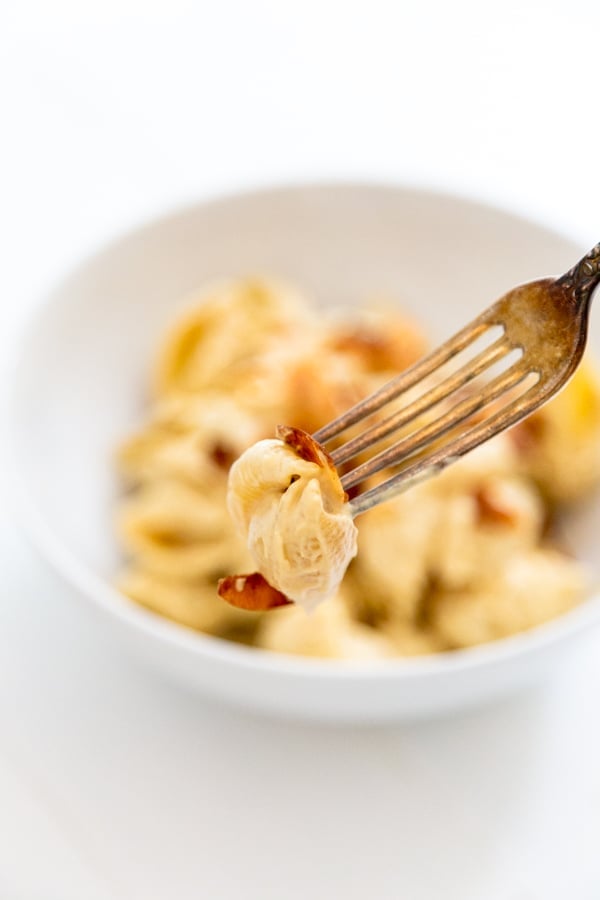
[(527, 434), (380, 341), (222, 456), (494, 509), (306, 447), (251, 592)]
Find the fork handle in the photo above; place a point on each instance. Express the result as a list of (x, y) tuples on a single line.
[(581, 281)]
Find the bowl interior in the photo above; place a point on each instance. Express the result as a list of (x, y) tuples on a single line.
[(84, 365)]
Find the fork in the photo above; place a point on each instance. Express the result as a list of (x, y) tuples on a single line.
[(537, 333)]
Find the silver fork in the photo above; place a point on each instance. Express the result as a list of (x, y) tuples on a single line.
[(542, 325)]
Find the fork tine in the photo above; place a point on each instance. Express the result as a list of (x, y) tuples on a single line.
[(438, 427), (550, 355), (425, 402), (438, 459), (408, 378)]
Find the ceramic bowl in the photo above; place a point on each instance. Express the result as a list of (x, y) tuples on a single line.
[(80, 382)]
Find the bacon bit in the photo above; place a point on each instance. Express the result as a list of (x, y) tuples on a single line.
[(222, 456), (375, 350), (363, 342), (307, 448), (491, 511), (381, 350), (304, 445), (527, 435), (251, 592)]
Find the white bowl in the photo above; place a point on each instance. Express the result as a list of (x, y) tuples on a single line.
[(80, 383)]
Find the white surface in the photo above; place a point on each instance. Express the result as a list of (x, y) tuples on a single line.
[(110, 112), (66, 400)]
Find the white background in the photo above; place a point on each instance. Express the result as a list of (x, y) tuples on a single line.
[(114, 784)]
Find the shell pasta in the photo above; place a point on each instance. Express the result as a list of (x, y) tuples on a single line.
[(462, 559)]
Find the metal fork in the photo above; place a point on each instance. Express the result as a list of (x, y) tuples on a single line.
[(542, 327)]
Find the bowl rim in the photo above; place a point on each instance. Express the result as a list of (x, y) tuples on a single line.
[(159, 629)]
